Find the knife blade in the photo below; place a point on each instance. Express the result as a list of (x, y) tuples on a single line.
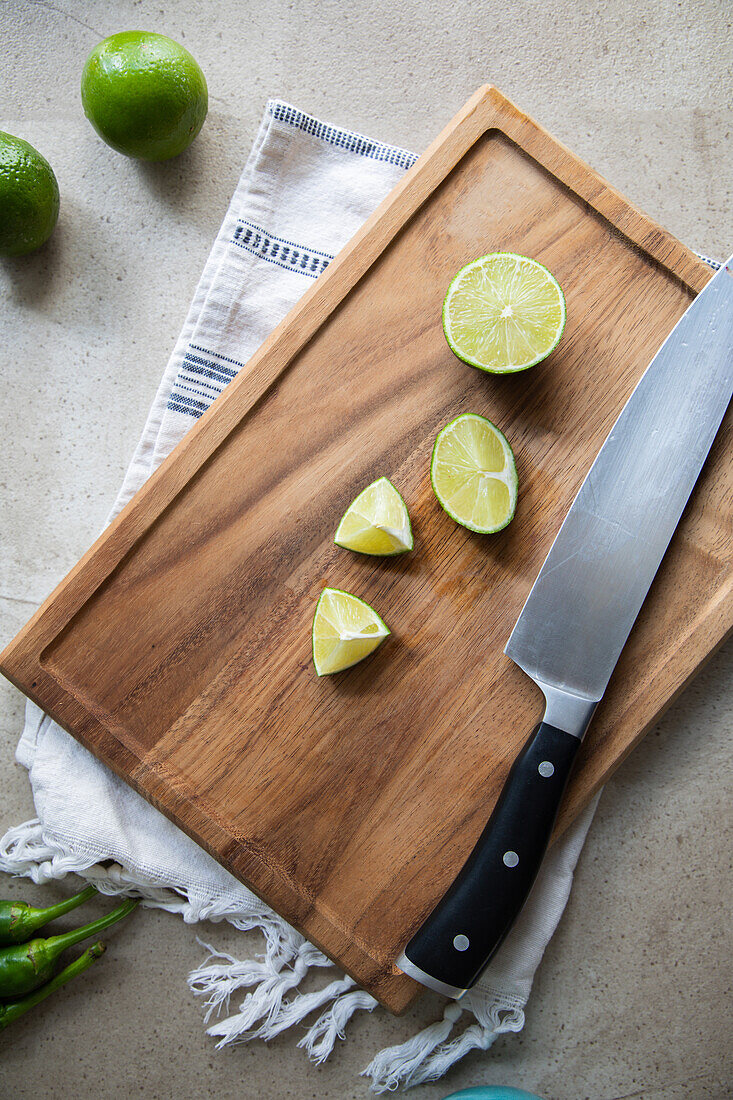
[(575, 622)]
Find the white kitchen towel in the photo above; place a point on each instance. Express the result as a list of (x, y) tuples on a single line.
[(306, 188)]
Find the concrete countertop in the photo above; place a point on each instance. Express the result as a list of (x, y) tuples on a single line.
[(631, 998)]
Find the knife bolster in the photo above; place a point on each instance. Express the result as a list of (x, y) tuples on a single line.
[(565, 710)]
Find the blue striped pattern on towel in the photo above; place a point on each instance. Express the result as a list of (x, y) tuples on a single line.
[(278, 250), (201, 378), (204, 374), (342, 139)]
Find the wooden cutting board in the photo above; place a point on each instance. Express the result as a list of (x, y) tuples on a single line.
[(178, 649)]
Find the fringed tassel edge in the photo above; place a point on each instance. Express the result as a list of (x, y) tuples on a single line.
[(267, 1011), (430, 1053)]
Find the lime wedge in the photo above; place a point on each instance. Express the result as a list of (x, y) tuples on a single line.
[(377, 522), (503, 313), (473, 474), (345, 630)]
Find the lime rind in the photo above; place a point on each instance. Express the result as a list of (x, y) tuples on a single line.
[(376, 522), (144, 94), (534, 355), (29, 197), (506, 476), (355, 644)]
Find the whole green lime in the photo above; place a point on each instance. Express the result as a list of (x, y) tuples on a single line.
[(144, 94), (29, 197)]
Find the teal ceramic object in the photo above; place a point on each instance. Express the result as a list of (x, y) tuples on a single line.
[(492, 1092)]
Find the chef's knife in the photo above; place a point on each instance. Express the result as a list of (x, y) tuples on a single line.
[(576, 620)]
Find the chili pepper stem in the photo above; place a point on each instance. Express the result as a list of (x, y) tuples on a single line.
[(11, 1012), (54, 911), (65, 906), (68, 939)]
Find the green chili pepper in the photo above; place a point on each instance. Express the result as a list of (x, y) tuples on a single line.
[(18, 920), (10, 1012), (26, 966)]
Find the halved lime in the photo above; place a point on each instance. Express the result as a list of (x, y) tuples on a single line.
[(473, 474), (377, 522), (503, 313), (345, 630)]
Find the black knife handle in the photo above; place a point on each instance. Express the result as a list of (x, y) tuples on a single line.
[(471, 920)]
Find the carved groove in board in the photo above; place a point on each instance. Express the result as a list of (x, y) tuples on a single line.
[(348, 803)]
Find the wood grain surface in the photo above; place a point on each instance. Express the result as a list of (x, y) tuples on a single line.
[(178, 649)]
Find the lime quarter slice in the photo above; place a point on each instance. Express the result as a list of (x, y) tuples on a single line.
[(377, 522), (345, 631), (503, 313), (474, 475)]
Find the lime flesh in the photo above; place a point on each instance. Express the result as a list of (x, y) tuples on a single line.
[(503, 313), (345, 631), (376, 522), (474, 475)]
